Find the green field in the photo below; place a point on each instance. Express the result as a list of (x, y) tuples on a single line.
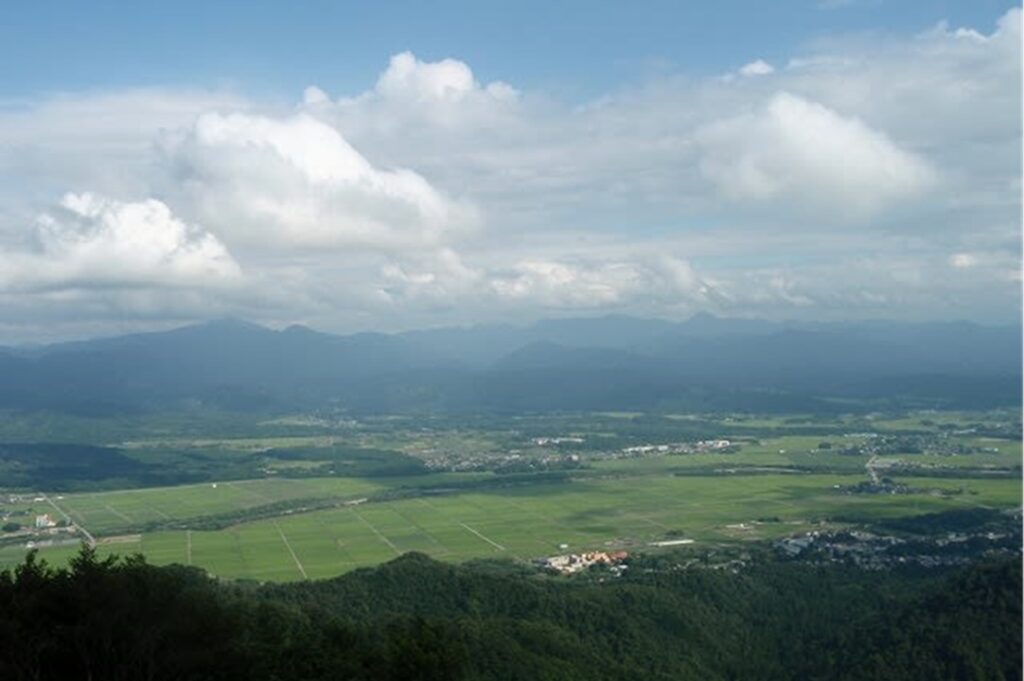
[(522, 522), (105, 512), (787, 477)]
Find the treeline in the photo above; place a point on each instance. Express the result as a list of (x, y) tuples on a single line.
[(348, 462), (75, 467), (219, 521), (415, 618), (955, 520)]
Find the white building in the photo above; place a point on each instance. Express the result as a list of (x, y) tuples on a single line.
[(43, 521)]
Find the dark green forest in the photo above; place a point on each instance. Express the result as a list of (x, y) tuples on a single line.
[(415, 618), (68, 467)]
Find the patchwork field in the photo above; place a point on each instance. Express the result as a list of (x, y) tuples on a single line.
[(356, 493), (522, 522), (104, 512)]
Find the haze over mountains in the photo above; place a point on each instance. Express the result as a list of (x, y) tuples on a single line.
[(592, 363)]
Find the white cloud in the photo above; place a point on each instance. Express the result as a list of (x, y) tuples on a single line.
[(314, 96), (800, 150), (554, 283), (297, 183), (439, 278), (412, 97), (948, 92), (757, 68), (408, 78), (93, 242), (609, 284), (558, 284), (853, 180), (962, 261), (100, 140), (535, 160)]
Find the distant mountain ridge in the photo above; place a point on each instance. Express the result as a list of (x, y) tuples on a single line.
[(609, 362)]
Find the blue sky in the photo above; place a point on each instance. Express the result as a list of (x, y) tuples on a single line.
[(277, 48), (356, 167)]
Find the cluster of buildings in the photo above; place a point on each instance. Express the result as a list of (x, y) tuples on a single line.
[(577, 562), (520, 460), (22, 523), (943, 443), (699, 447), (547, 441), (871, 551)]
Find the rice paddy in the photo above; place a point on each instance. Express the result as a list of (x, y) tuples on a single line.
[(636, 503)]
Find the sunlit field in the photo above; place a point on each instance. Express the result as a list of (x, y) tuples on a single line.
[(638, 502)]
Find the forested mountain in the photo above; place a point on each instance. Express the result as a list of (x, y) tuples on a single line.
[(599, 363), (418, 619)]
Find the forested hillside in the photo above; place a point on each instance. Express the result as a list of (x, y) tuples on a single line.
[(418, 619)]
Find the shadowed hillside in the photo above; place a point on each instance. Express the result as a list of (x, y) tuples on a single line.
[(417, 619), (705, 363)]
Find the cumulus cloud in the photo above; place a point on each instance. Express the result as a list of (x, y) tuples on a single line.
[(93, 242), (948, 91), (536, 160), (297, 183), (438, 278), (408, 78), (558, 282), (757, 68), (795, 148), (414, 96), (440, 195)]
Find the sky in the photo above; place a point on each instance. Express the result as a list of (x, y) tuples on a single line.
[(352, 166)]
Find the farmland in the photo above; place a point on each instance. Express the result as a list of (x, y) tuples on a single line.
[(289, 528)]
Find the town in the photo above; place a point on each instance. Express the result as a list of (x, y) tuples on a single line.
[(577, 562)]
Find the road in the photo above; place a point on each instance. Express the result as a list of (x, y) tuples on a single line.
[(85, 533), (870, 466)]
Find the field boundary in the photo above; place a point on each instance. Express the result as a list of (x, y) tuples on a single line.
[(378, 533), (492, 543), (88, 535), (288, 546)]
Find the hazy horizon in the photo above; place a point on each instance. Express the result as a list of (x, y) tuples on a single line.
[(523, 324)]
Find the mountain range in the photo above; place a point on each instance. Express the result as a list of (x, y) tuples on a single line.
[(601, 363)]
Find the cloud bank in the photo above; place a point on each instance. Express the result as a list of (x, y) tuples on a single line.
[(867, 175)]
